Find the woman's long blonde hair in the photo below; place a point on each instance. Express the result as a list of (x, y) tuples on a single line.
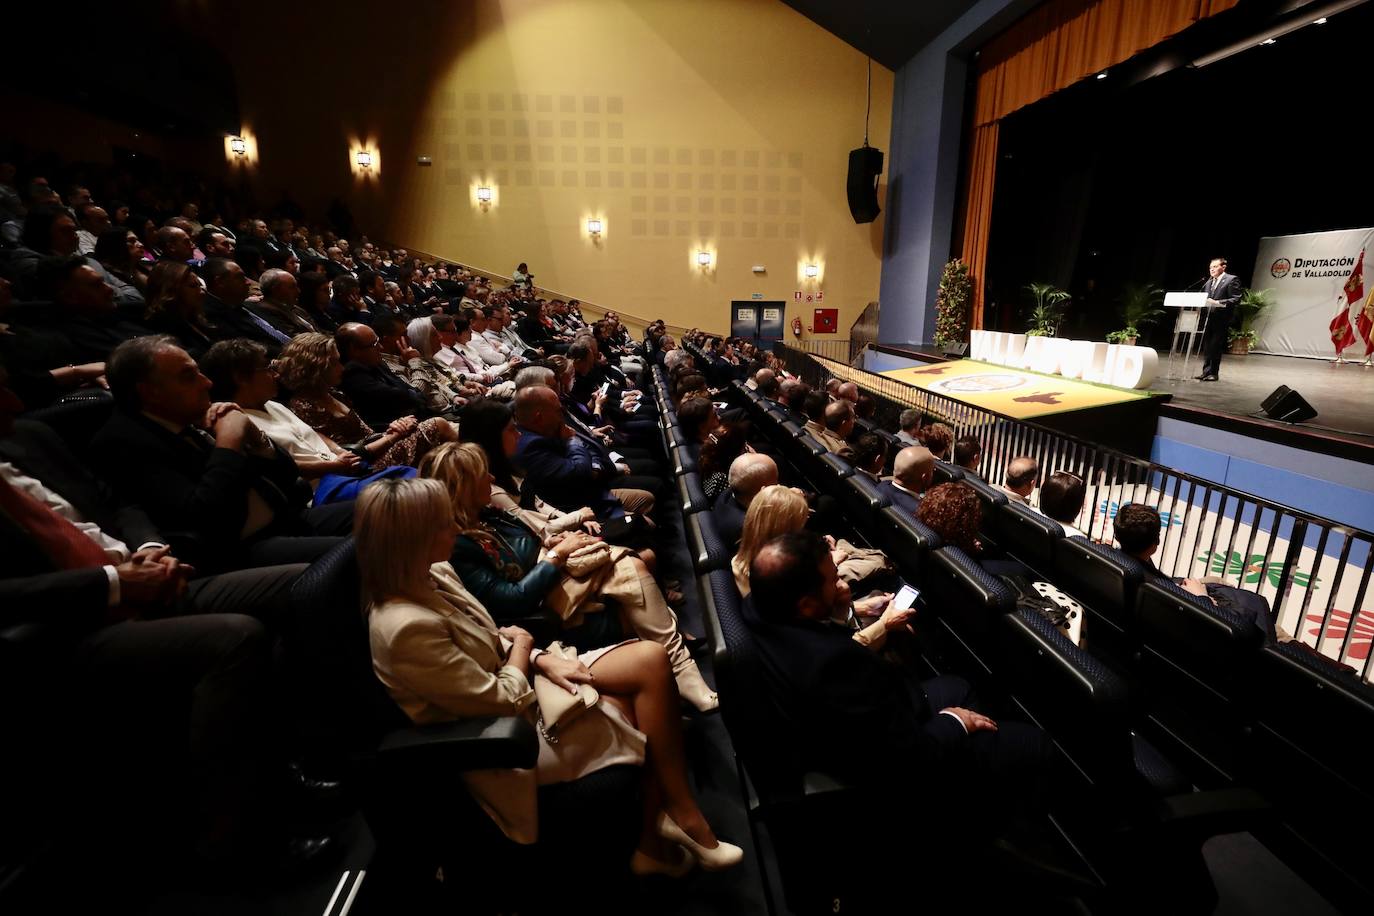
[(461, 467), (394, 525), (775, 510)]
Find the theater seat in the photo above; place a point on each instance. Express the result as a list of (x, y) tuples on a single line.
[(967, 600), (862, 500), (1195, 664), (691, 493), (704, 543), (1105, 581), (405, 776), (682, 459), (77, 417), (1024, 533), (945, 472), (906, 541)]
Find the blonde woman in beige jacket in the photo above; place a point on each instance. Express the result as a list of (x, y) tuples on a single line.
[(442, 658)]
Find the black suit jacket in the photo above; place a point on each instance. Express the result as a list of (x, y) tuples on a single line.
[(1227, 291), (191, 488), (839, 707), (31, 588), (380, 396), (237, 321), (728, 515), (899, 498)]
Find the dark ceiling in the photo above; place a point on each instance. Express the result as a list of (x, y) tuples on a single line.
[(889, 31)]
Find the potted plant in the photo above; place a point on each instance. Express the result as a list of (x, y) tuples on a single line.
[(951, 304), (1253, 304), (1140, 307), (1048, 307)]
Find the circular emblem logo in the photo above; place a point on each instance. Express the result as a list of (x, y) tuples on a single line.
[(1280, 268), (974, 384)]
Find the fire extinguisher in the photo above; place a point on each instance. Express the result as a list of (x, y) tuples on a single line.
[(796, 327)]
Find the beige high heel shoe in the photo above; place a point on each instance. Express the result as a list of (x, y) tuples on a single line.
[(693, 688), (725, 855)]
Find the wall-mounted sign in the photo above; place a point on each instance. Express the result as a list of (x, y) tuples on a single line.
[(756, 295)]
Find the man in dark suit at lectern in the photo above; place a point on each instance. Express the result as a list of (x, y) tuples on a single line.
[(1223, 293)]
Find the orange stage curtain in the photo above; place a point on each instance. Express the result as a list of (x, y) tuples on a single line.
[(1055, 45)]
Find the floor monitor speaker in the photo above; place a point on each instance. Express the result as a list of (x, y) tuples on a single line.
[(1287, 406)]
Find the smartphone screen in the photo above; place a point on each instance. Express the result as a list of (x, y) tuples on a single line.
[(605, 387), (906, 597)]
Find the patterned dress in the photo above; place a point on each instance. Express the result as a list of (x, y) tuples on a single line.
[(350, 429)]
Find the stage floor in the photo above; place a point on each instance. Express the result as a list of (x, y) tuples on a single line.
[(1015, 393), (1343, 395)]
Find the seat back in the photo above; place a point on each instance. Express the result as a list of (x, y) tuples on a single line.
[(709, 552), (945, 472), (682, 458), (968, 600), (691, 493), (906, 541), (1069, 693), (1308, 711), (862, 500), (77, 417), (1105, 580), (1025, 533), (328, 641), (1195, 661)]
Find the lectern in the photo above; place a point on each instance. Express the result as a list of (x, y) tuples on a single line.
[(1189, 327)]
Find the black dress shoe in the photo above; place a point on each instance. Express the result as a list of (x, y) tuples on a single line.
[(313, 790)]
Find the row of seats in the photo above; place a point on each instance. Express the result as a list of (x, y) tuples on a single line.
[(1163, 663)]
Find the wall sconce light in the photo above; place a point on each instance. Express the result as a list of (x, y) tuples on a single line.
[(484, 195), (238, 146), (703, 259), (364, 159), (812, 271), (594, 227)]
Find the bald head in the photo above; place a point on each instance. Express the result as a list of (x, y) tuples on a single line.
[(849, 392), (1021, 474), (839, 417), (538, 409), (750, 473), (913, 466)]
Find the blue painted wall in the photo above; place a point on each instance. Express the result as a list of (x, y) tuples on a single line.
[(1334, 488), (924, 166)]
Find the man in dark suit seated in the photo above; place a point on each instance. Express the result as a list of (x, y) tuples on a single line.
[(968, 454), (163, 662), (869, 456), (378, 394), (226, 289), (83, 324), (842, 709), (911, 476), (1137, 531), (749, 473), (204, 470), (569, 470)]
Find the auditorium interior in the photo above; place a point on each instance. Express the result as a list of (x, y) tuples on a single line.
[(773, 457)]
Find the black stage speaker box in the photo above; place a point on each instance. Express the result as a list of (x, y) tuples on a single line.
[(865, 165), (1287, 406), (955, 350)]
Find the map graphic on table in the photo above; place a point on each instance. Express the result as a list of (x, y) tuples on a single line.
[(1016, 393)]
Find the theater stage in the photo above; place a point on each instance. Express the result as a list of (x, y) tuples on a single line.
[(1343, 396)]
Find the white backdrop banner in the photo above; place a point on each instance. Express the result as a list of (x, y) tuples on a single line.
[(1308, 274)]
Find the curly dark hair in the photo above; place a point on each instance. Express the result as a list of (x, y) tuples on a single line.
[(938, 438), (952, 510), (722, 447)]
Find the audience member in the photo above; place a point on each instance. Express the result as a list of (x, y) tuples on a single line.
[(910, 427), (202, 469), (938, 438), (911, 475), (442, 657), (310, 368), (870, 456), (749, 473), (1021, 479), (954, 512), (1137, 528), (968, 454), (1061, 498)]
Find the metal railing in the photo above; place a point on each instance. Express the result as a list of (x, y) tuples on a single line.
[(1313, 571)]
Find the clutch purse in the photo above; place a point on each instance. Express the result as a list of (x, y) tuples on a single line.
[(557, 707), (586, 560)]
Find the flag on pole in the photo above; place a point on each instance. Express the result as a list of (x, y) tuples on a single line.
[(1365, 322), (1342, 333), (1354, 287)]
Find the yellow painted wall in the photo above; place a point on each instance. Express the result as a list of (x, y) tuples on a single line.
[(684, 125)]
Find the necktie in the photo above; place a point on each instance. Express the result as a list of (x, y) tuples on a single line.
[(272, 332), (60, 540)]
